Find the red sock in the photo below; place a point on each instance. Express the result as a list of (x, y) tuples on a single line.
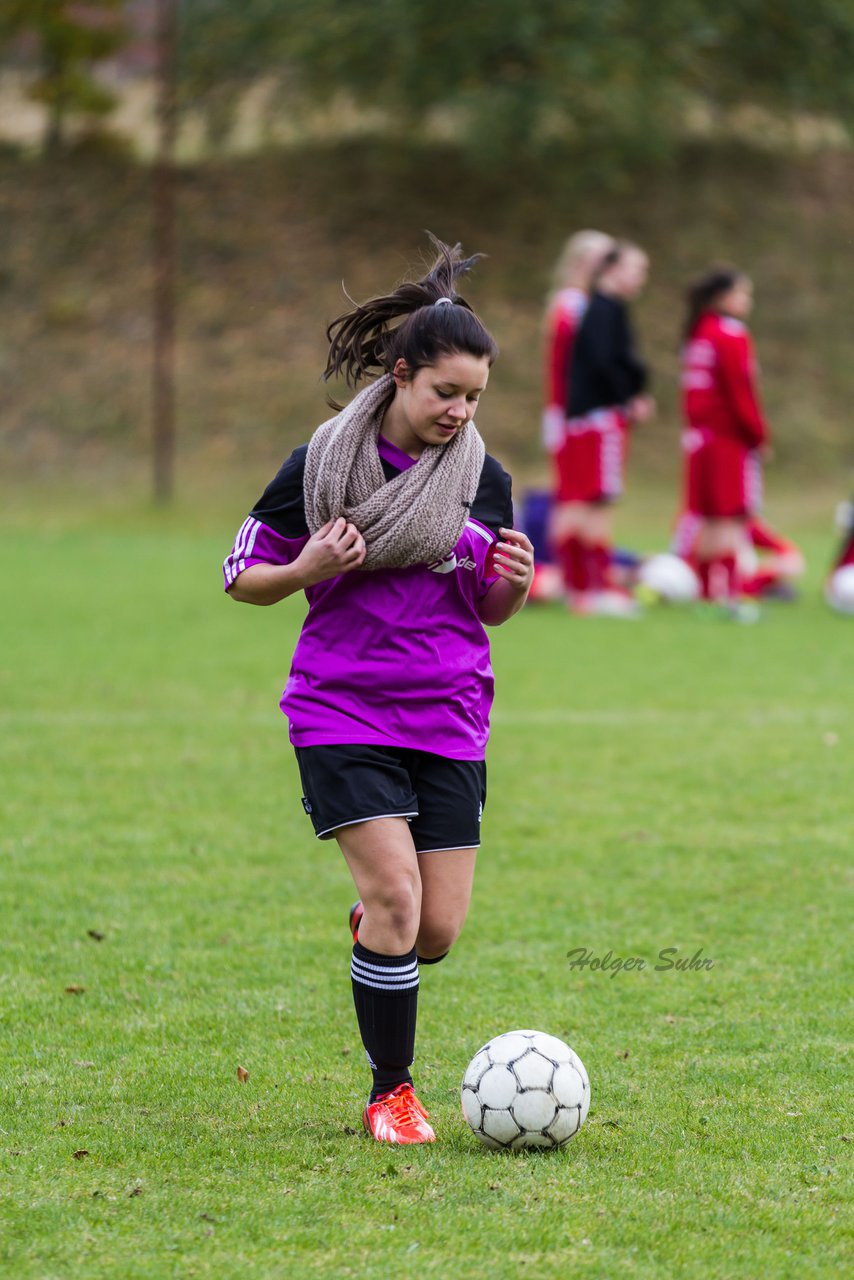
[(719, 578), (729, 565), (573, 564), (599, 566), (759, 582)]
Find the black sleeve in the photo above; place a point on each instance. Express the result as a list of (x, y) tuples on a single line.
[(282, 506), (493, 503), (630, 372), (593, 357), (605, 367), (603, 337)]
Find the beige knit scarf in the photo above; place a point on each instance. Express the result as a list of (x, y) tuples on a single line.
[(417, 517)]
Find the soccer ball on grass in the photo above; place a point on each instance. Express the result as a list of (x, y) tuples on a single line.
[(525, 1089), (670, 579)]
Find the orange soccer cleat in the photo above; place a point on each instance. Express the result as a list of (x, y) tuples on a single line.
[(398, 1117)]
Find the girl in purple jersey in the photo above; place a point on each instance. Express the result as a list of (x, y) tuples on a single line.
[(397, 525)]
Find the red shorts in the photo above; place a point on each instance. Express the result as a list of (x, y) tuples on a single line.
[(591, 461), (724, 478)]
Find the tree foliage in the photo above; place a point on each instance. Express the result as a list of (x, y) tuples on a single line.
[(69, 39), (495, 74), (510, 73)]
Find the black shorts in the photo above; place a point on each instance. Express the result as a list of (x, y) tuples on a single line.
[(442, 799)]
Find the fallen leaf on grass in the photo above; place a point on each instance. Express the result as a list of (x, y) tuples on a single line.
[(74, 989), (135, 1191), (622, 1053), (96, 934), (81, 1154), (242, 1075)]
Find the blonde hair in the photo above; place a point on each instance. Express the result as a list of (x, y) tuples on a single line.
[(580, 257)]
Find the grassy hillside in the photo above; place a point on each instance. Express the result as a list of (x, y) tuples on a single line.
[(266, 242)]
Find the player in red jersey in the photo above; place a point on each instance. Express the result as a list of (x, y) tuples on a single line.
[(582, 256), (607, 394), (725, 430)]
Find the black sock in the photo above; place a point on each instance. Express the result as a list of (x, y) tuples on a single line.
[(385, 993), (432, 959)]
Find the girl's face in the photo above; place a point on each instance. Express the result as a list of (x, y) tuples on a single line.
[(436, 402), (629, 273), (737, 301)]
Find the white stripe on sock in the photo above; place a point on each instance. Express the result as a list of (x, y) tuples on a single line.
[(386, 968), (400, 983), (387, 986)]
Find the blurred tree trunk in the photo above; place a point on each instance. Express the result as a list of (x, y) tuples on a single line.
[(163, 398), (53, 74)]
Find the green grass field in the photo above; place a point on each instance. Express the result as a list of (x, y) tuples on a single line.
[(668, 783)]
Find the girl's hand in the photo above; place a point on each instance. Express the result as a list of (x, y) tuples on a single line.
[(336, 548), (641, 408), (514, 560)]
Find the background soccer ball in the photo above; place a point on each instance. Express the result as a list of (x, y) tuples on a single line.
[(669, 578), (525, 1089), (840, 589)]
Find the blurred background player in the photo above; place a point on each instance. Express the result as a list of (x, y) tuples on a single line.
[(839, 587), (725, 430), (580, 259), (606, 395), (582, 256), (768, 563)]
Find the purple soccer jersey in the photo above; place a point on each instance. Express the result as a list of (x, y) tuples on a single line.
[(394, 657)]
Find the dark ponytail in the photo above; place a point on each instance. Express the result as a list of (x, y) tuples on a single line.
[(408, 325), (700, 296), (608, 260), (619, 249)]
